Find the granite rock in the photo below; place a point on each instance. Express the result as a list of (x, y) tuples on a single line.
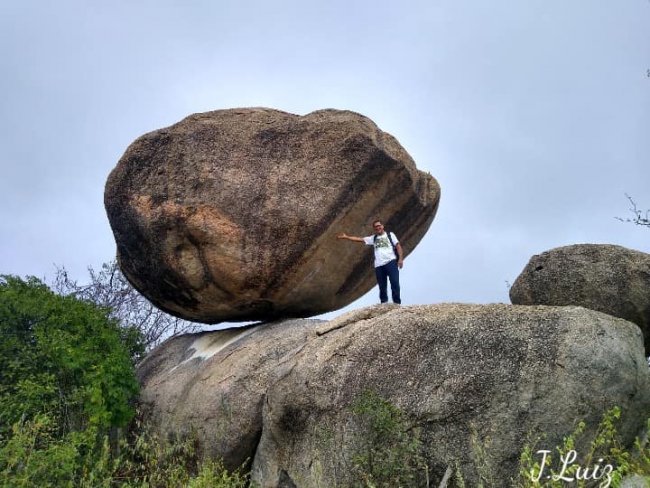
[(611, 279), (232, 215)]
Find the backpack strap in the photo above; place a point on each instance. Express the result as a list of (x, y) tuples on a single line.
[(392, 244)]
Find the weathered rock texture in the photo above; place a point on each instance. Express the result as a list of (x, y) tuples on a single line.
[(232, 214), (497, 370), (214, 383), (607, 278)]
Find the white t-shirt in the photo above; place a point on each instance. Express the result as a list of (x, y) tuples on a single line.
[(384, 253)]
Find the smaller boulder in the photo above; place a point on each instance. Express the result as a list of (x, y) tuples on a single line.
[(607, 278)]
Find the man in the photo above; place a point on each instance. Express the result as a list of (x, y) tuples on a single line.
[(388, 260)]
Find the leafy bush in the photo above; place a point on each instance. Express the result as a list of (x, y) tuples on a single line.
[(147, 460), (67, 379), (32, 457), (62, 357), (605, 463), (67, 382), (390, 454)]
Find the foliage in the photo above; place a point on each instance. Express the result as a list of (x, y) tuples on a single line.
[(605, 463), (67, 379), (61, 357), (36, 455), (482, 460), (147, 460), (213, 475), (32, 458), (636, 461), (390, 454), (109, 288), (67, 383)]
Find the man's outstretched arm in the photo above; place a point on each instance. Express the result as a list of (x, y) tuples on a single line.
[(343, 235)]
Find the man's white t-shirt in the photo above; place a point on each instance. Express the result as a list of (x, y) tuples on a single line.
[(384, 253)]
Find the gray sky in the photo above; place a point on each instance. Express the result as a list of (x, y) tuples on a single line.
[(534, 116)]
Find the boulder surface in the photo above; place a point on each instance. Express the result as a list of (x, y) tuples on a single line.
[(214, 383), (611, 279), (459, 373), (232, 215)]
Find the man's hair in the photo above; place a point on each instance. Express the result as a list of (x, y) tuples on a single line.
[(375, 221)]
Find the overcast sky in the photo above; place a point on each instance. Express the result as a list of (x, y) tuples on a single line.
[(534, 116)]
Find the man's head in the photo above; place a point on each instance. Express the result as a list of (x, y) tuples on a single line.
[(378, 227)]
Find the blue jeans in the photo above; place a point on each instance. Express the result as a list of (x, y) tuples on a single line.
[(390, 271)]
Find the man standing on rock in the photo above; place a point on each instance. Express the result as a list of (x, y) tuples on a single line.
[(389, 259)]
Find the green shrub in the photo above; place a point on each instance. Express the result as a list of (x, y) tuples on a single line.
[(390, 452), (33, 457), (67, 379), (67, 382), (148, 461), (604, 463), (214, 475), (62, 357)]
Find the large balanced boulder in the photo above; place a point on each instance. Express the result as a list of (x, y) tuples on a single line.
[(232, 215), (460, 374), (607, 278)]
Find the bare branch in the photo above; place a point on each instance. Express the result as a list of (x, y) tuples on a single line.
[(640, 217), (109, 288)]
